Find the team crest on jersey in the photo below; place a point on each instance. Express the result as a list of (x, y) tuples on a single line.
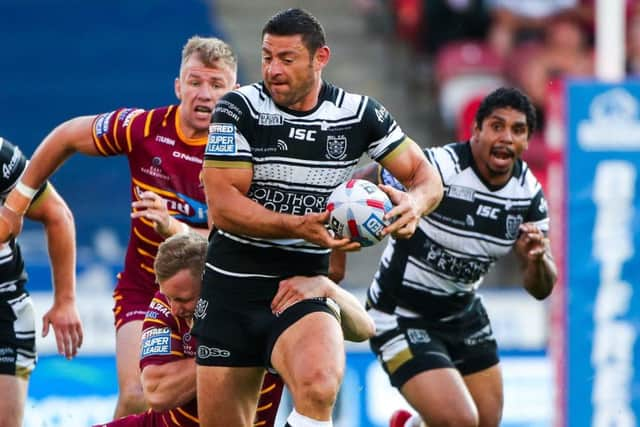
[(336, 147), (201, 309), (222, 139), (513, 224), (417, 336), (270, 119)]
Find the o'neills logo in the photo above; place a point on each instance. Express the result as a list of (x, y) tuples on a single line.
[(288, 202), (183, 156)]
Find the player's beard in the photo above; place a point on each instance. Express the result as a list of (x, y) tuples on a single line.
[(296, 92)]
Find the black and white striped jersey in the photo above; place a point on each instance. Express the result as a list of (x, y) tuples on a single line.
[(298, 158), (12, 273), (456, 245)]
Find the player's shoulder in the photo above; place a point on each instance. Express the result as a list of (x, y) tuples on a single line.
[(239, 104), (248, 96), (156, 117), (8, 151), (450, 159), (355, 102), (159, 308), (525, 178), (347, 101), (120, 118), (13, 164)]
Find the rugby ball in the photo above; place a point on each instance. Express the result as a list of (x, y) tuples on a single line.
[(356, 210)]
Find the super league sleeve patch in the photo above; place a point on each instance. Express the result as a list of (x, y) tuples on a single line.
[(156, 342), (222, 139)]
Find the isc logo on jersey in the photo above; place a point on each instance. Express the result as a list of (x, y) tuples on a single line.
[(222, 139)]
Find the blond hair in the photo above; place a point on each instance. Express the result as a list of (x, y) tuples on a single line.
[(180, 251), (210, 51)]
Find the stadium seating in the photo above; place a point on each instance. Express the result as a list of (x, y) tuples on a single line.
[(119, 53), (463, 71)]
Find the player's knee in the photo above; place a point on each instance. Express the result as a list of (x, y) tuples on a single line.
[(319, 387), (454, 418)]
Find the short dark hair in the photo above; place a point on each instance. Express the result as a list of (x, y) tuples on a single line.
[(294, 21), (507, 97)]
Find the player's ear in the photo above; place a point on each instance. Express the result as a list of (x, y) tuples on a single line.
[(176, 88), (475, 131), (321, 57)]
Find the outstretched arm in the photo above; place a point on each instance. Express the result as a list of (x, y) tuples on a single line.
[(63, 141), (538, 268), (169, 385), (69, 137), (356, 323), (51, 210)]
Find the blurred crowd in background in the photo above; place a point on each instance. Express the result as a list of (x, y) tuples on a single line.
[(463, 49)]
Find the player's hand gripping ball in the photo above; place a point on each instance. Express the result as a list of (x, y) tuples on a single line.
[(356, 210)]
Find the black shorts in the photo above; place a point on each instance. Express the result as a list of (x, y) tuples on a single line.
[(234, 324), (407, 346), (17, 337)]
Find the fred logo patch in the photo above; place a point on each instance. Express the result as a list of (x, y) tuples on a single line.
[(156, 342), (222, 139)]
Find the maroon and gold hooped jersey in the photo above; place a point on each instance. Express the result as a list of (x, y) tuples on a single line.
[(162, 160), (166, 338)]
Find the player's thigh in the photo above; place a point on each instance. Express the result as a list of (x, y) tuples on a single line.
[(310, 350), (417, 358), (486, 388), (441, 397), (128, 353), (228, 396), (14, 395)]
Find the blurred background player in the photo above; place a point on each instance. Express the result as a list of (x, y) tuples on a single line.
[(17, 329), (164, 147), (433, 335)]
